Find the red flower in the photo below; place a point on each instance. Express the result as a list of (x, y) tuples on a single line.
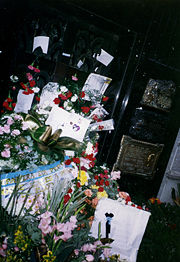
[(36, 70), (105, 98), (5, 104), (96, 177), (8, 100), (23, 85), (66, 198), (133, 205), (128, 198), (37, 98), (69, 94), (9, 108), (106, 176), (139, 207), (56, 101), (107, 183), (101, 175), (100, 127), (100, 189), (78, 185), (28, 91), (32, 83), (85, 109), (13, 104), (68, 162), (82, 94), (91, 164), (83, 168), (106, 171), (97, 183), (63, 97), (101, 182), (70, 191), (76, 160)]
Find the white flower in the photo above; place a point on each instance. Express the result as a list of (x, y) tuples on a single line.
[(14, 78), (35, 89), (74, 98), (89, 148), (63, 89), (67, 105)]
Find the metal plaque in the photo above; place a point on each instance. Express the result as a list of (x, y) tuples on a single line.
[(138, 157), (158, 94)]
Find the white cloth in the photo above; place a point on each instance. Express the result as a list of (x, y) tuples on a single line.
[(127, 227)]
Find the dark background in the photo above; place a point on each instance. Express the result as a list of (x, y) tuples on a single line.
[(143, 36)]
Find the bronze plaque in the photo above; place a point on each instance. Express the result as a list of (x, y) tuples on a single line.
[(137, 157), (159, 94)]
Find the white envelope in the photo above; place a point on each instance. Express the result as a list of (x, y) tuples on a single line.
[(24, 102)]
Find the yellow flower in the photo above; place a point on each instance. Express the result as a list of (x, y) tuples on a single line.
[(102, 194), (49, 257), (83, 177), (94, 187)]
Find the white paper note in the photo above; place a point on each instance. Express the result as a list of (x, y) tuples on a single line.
[(72, 124), (43, 42), (127, 227), (104, 57), (24, 102)]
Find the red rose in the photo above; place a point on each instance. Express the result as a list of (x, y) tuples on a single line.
[(107, 183), (36, 70), (139, 207), (101, 182), (96, 177), (13, 104), (83, 168), (9, 108), (101, 175), (37, 98), (32, 83), (63, 97), (5, 104), (66, 198), (76, 160), (68, 162), (78, 185), (82, 94), (56, 101), (91, 164), (97, 183), (85, 109), (105, 98), (8, 100), (70, 191), (69, 94), (100, 189)]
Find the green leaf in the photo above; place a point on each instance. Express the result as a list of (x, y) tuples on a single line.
[(38, 133)]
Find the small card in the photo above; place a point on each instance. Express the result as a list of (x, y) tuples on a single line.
[(102, 126), (41, 41), (24, 102), (95, 86), (72, 124), (104, 57)]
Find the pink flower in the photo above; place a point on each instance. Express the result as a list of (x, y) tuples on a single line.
[(89, 257), (6, 129), (36, 70), (44, 226), (1, 130), (106, 252), (66, 236), (25, 126), (88, 192), (56, 238), (76, 252), (47, 214), (16, 249), (17, 117), (10, 121), (115, 175), (2, 252), (6, 153), (4, 246), (74, 78), (31, 67), (29, 76), (73, 219), (15, 132)]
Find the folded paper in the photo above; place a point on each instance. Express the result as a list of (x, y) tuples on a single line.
[(41, 41), (105, 58)]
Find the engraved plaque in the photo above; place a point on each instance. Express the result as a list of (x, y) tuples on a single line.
[(138, 157), (158, 94)]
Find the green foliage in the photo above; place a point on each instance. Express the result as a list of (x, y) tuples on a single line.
[(161, 241)]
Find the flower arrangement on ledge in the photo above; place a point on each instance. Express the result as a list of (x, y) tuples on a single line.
[(53, 224)]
